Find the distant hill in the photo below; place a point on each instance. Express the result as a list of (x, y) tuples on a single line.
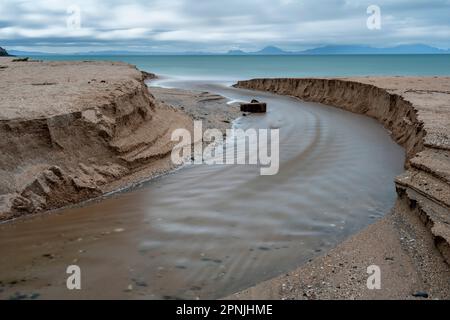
[(3, 52), (352, 49), (349, 49), (108, 53), (30, 53), (236, 53), (269, 50)]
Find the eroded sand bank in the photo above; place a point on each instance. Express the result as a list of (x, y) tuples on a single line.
[(72, 131), (411, 245)]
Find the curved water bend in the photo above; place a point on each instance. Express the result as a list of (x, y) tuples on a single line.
[(207, 231)]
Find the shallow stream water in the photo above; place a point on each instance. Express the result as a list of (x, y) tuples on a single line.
[(208, 231)]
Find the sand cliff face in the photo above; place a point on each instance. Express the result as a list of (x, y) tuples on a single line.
[(73, 131), (417, 113)]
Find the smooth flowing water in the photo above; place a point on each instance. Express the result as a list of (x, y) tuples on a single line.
[(208, 231)]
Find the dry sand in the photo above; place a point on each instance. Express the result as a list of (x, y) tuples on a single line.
[(73, 131), (411, 244)]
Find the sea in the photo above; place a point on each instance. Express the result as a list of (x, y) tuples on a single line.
[(232, 68)]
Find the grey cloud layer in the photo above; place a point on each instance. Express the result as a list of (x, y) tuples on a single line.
[(218, 25)]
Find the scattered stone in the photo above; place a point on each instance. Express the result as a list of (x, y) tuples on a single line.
[(420, 294), (44, 84), (21, 59), (255, 106), (181, 267), (139, 283), (48, 256), (23, 296)]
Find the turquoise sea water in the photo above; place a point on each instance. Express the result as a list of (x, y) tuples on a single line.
[(231, 68)]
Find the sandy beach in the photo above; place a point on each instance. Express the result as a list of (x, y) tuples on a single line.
[(411, 244), (75, 131)]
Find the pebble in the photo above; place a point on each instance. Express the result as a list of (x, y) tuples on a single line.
[(129, 288)]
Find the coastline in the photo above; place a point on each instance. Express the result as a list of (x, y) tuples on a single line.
[(416, 112)]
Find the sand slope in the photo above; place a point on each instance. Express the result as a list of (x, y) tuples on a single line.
[(72, 131)]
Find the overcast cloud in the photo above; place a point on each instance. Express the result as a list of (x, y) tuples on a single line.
[(218, 25)]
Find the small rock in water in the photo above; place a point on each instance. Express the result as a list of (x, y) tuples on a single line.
[(119, 230)]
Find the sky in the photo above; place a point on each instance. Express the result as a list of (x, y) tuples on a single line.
[(65, 26)]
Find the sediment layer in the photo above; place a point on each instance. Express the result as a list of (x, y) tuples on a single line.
[(416, 111), (72, 131)]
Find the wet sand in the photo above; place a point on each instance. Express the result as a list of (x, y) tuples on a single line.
[(209, 231), (411, 244)]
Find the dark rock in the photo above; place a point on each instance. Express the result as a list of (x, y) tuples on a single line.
[(148, 75), (139, 283), (21, 59), (257, 107), (48, 256), (420, 294)]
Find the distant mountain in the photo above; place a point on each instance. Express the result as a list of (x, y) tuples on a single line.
[(31, 53), (414, 49), (267, 51), (3, 52), (107, 53), (270, 50), (236, 53), (141, 53), (347, 49), (339, 50), (351, 49)]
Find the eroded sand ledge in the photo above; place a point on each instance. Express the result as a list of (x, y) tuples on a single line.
[(412, 243), (72, 131)]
